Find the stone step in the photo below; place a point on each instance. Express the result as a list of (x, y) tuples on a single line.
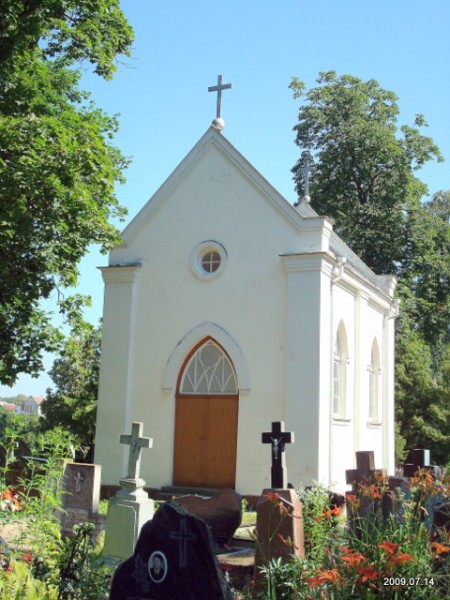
[(177, 490)]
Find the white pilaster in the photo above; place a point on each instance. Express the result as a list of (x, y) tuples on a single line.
[(307, 401), (114, 399)]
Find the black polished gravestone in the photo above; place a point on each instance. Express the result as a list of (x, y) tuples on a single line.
[(173, 560)]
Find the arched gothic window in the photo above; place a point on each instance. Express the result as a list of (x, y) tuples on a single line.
[(209, 371), (340, 360), (374, 383)]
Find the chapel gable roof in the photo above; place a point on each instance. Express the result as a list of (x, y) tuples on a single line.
[(212, 138), (317, 229)]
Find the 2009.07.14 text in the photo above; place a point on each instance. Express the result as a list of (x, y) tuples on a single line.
[(408, 581)]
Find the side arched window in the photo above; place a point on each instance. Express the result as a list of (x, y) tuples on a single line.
[(340, 360), (374, 383)]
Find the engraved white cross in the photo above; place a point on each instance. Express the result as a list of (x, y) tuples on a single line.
[(79, 478)]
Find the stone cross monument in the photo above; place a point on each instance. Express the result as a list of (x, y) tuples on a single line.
[(131, 507)]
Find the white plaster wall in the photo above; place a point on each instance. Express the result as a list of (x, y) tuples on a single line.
[(248, 300)]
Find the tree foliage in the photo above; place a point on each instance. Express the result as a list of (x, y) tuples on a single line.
[(364, 175), (72, 404), (365, 179), (58, 167)]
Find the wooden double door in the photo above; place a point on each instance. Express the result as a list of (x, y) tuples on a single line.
[(205, 440)]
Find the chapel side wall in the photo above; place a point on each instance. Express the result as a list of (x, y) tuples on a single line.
[(344, 430), (370, 322), (247, 300)]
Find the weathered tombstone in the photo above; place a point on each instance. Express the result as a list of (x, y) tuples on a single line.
[(173, 560), (366, 484), (131, 507), (278, 438), (362, 477), (441, 518), (222, 513), (418, 465), (80, 497), (365, 472), (418, 459), (279, 525)]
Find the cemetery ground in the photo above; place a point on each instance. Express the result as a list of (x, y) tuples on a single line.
[(384, 545)]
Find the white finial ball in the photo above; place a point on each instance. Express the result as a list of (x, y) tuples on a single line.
[(218, 124), (306, 199)]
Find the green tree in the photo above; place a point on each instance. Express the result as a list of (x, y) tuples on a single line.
[(422, 394), (72, 405), (430, 282), (364, 178), (364, 175), (58, 167)]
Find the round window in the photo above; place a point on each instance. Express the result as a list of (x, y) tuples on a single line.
[(208, 259), (211, 261)]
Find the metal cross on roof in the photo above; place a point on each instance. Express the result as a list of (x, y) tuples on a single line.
[(308, 170), (136, 442), (218, 88)]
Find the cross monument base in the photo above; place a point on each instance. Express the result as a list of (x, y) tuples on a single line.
[(128, 511)]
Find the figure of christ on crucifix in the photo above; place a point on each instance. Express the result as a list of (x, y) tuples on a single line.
[(278, 438)]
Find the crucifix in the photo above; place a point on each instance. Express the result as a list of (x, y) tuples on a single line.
[(278, 438), (183, 536), (136, 441), (218, 88)]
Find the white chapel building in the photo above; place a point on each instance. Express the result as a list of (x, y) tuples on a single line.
[(227, 308)]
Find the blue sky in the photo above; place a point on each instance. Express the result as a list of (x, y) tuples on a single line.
[(181, 47)]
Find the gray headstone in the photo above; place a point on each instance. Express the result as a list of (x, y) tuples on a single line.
[(80, 497), (173, 560)]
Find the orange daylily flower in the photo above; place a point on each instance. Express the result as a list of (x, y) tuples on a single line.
[(272, 497), (353, 558), (399, 559), (440, 548), (389, 547), (367, 573), (331, 576), (337, 511), (371, 491), (352, 502)]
